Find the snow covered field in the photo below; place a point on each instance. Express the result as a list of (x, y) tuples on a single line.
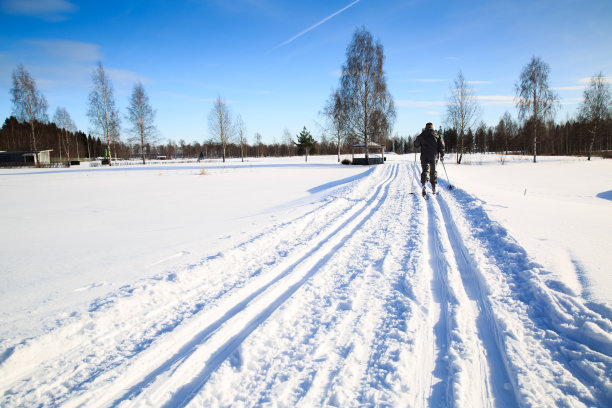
[(276, 282)]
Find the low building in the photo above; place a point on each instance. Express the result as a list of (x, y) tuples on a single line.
[(24, 158), (376, 154)]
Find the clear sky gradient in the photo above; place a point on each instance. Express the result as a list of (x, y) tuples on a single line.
[(276, 62)]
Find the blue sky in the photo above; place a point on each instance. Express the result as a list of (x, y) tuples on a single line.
[(276, 62)]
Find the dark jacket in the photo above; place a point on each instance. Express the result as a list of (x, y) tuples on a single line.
[(431, 144)]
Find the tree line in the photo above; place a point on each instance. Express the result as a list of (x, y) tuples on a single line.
[(15, 135), (571, 137), (360, 110), (536, 103)]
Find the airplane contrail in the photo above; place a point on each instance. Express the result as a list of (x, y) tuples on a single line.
[(315, 25)]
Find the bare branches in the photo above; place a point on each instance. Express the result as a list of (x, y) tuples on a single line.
[(370, 112), (102, 112), (462, 111), (220, 123), (142, 117), (241, 133), (534, 98), (596, 106), (28, 103), (65, 124), (336, 112)]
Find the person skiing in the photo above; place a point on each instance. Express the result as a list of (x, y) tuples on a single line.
[(431, 145)]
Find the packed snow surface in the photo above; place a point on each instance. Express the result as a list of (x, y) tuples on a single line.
[(281, 283)]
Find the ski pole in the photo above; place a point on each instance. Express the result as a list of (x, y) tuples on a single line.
[(450, 186)]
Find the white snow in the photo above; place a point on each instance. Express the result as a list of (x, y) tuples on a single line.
[(276, 282), (559, 209)]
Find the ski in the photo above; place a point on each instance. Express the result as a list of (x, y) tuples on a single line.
[(426, 195)]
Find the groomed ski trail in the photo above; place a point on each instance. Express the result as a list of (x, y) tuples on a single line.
[(371, 297)]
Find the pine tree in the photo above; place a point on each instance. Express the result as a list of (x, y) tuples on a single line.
[(305, 143)]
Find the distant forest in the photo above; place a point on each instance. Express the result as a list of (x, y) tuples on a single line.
[(569, 138)]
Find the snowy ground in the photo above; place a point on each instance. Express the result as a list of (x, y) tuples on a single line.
[(559, 209), (280, 283)]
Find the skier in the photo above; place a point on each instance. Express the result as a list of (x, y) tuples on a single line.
[(431, 145)]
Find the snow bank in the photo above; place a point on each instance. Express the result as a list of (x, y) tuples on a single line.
[(558, 209)]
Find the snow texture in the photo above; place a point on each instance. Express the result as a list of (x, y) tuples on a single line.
[(277, 283)]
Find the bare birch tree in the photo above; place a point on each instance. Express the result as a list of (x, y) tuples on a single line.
[(29, 104), (102, 112), (219, 123), (259, 143), (142, 118), (336, 113), (64, 123), (534, 98), (288, 141), (462, 111), (241, 133), (370, 108), (596, 107)]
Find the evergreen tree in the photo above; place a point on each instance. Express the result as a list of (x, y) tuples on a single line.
[(305, 142)]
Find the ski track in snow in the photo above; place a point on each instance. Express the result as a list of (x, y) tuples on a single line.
[(374, 297)]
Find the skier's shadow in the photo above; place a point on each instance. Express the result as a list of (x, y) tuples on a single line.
[(606, 195)]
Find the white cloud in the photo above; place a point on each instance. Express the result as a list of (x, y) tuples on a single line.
[(584, 83), (125, 79), (68, 50), (65, 63), (571, 101), (569, 88), (495, 100), (587, 80), (49, 10)]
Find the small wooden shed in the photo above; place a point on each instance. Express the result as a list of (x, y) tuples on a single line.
[(20, 157), (376, 153)]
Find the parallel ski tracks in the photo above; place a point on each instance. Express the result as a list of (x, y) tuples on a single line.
[(262, 298), (351, 322), (487, 294), (271, 275), (376, 297), (467, 366)]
